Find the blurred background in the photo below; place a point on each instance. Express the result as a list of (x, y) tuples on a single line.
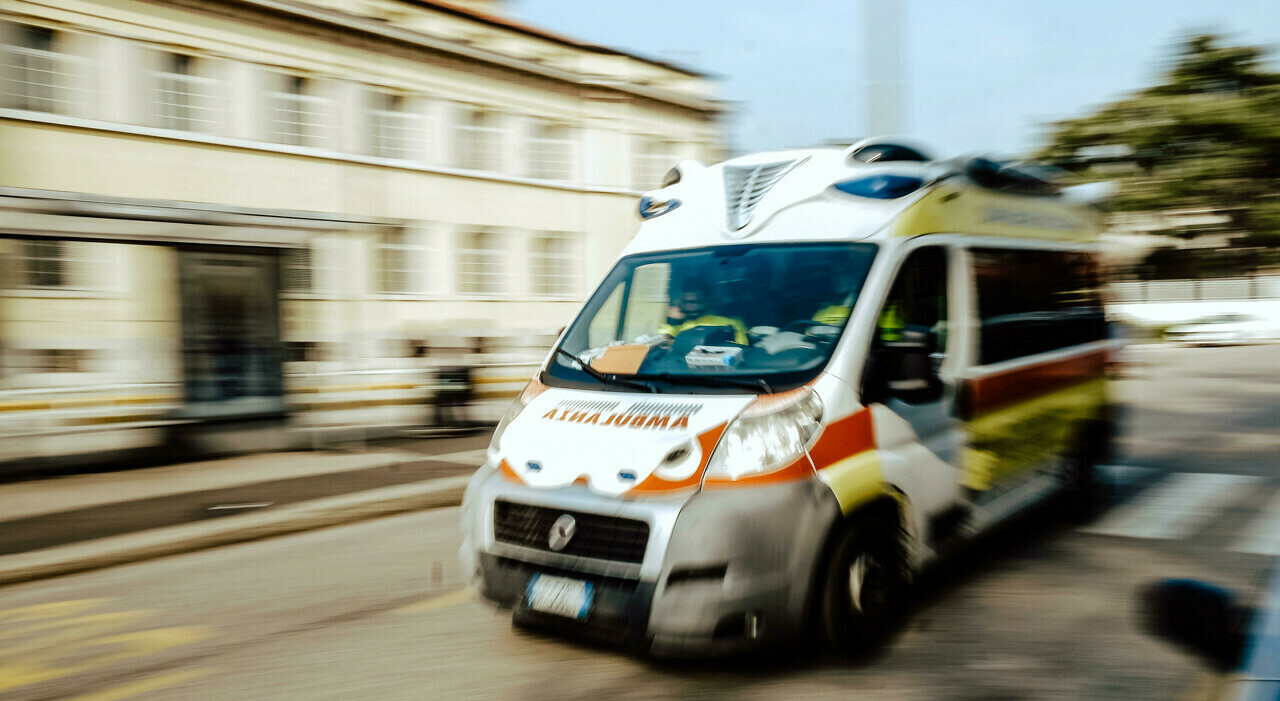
[(274, 228)]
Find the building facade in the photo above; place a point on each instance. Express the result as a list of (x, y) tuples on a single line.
[(239, 210)]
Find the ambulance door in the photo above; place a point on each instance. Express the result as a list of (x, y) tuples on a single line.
[(914, 416)]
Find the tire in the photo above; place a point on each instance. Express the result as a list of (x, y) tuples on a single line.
[(863, 590)]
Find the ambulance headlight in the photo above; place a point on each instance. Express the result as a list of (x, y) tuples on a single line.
[(531, 390), (773, 432)]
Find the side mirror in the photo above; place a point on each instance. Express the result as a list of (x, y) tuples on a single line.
[(904, 368), (1199, 617)]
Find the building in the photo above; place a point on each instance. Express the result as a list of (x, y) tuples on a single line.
[(215, 212)]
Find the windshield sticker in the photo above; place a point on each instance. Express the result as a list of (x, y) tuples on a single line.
[(643, 415)]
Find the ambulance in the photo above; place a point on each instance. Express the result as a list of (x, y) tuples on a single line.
[(810, 374)]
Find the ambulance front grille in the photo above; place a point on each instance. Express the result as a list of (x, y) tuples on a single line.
[(595, 536)]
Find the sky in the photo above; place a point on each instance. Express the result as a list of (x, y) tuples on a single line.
[(982, 76)]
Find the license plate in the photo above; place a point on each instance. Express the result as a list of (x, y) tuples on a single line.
[(559, 596)]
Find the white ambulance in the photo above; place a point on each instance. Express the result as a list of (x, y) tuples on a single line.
[(808, 374)]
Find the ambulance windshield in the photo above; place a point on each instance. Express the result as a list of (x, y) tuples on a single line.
[(713, 319)]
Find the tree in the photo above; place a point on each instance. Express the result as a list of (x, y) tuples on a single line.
[(1206, 138)]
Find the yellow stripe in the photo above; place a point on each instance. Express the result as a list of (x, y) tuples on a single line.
[(855, 480), (499, 380), (125, 691), (80, 402), (969, 210), (1018, 437), (111, 419), (52, 609), (436, 603)]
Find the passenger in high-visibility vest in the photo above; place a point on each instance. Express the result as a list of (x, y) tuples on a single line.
[(691, 312), (891, 322), (833, 314)]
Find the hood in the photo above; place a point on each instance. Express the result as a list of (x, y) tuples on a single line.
[(616, 444)]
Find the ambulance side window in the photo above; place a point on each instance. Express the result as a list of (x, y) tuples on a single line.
[(918, 298), (1036, 301)]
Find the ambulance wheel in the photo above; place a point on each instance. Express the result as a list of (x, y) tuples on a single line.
[(862, 596)]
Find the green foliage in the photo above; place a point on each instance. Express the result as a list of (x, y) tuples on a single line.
[(1206, 137)]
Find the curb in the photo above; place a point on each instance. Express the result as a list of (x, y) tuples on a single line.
[(188, 537)]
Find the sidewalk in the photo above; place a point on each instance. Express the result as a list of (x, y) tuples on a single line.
[(61, 525)]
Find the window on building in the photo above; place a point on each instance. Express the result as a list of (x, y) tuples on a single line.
[(46, 263), (37, 76), (479, 140), (556, 265), (297, 272), (184, 98), (297, 113), (54, 360), (651, 159), (1032, 301), (392, 127), (398, 262), (551, 151), (480, 263)]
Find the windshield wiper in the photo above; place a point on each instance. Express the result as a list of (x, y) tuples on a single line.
[(759, 385), (603, 378)]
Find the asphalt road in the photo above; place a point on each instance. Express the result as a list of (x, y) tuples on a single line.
[(1043, 610)]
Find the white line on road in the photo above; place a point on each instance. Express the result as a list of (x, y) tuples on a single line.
[(1263, 535), (254, 505), (1176, 507)]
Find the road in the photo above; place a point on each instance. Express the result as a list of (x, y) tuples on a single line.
[(1043, 610)]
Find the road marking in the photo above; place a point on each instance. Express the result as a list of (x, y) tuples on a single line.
[(161, 681), (1176, 507), (229, 507), (464, 457), (1263, 536), (436, 603), (61, 639), (52, 609)]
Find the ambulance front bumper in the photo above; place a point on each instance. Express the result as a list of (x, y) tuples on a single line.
[(718, 571)]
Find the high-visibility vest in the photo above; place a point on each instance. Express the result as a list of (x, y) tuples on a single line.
[(833, 315), (739, 328), (891, 323)]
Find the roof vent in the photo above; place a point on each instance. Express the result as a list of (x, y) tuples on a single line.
[(746, 185), (885, 153)]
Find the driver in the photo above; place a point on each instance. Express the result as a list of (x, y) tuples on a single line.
[(836, 297), (692, 309)]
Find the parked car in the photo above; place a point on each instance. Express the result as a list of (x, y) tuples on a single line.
[(1224, 329)]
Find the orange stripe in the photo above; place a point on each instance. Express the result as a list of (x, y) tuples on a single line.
[(986, 394), (505, 470), (653, 484), (843, 438)]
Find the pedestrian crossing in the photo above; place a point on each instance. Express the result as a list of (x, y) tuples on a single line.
[(1182, 505)]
